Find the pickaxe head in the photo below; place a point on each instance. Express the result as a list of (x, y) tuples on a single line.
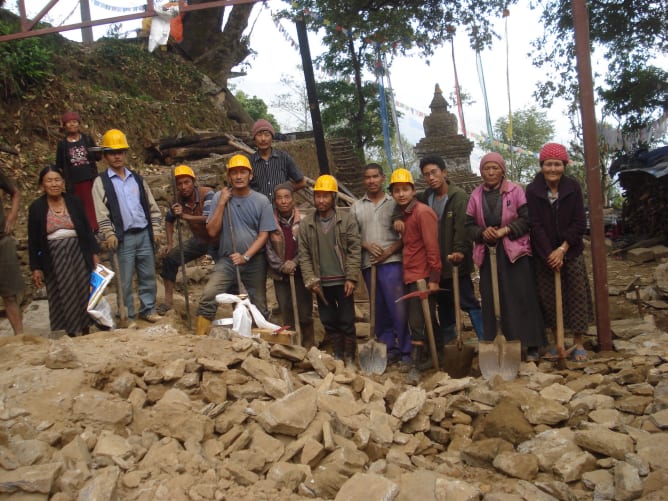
[(419, 294)]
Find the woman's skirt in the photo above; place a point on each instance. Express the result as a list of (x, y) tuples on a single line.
[(575, 294), (521, 317), (68, 287)]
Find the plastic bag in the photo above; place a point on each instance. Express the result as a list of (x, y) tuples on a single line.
[(160, 24), (243, 315), (101, 313)]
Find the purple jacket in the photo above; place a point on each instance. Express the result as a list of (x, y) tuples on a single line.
[(551, 226), (513, 198)]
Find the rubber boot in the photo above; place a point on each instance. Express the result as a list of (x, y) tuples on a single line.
[(350, 352), (414, 372), (338, 345), (476, 321), (203, 325), (308, 335)]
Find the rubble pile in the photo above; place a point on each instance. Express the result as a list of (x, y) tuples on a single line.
[(154, 414)]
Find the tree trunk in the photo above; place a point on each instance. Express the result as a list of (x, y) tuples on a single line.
[(214, 51)]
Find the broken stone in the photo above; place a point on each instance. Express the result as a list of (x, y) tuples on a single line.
[(518, 465), (409, 403), (627, 482), (573, 464), (482, 452), (101, 407), (505, 421), (640, 255), (35, 478), (603, 441), (291, 414), (102, 486), (367, 486)]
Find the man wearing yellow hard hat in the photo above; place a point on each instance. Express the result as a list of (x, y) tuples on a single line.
[(330, 258), (129, 221), (241, 219), (192, 204)]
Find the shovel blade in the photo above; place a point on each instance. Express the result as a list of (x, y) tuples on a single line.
[(373, 357), (457, 360), (500, 357)]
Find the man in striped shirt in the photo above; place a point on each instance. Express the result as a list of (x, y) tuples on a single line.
[(271, 167)]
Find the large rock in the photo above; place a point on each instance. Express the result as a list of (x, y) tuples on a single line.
[(409, 403), (653, 448), (36, 478), (483, 452), (572, 465), (514, 464), (102, 408), (291, 414), (549, 446), (102, 487), (603, 441), (368, 486), (544, 411), (627, 482), (505, 421), (336, 469)]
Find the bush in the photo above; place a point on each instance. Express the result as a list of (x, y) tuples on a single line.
[(24, 64)]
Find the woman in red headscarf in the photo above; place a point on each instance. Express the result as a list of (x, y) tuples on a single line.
[(558, 222), (497, 216), (77, 162)]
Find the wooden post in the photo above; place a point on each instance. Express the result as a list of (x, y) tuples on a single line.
[(309, 77), (86, 31), (593, 168)]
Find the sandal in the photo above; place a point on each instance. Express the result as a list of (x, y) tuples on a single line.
[(552, 354), (579, 355), (163, 309)]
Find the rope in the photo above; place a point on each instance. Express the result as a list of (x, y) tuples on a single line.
[(394, 114), (460, 109), (481, 78), (506, 14)]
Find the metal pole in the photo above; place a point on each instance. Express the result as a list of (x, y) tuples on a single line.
[(593, 170), (309, 77), (87, 31)]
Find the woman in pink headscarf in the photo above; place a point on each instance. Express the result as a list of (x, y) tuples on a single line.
[(558, 222), (497, 216)]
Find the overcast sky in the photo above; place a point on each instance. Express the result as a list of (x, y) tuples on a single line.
[(413, 78)]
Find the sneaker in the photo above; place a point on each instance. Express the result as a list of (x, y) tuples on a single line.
[(149, 317)]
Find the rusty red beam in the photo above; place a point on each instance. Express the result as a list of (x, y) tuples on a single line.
[(27, 25)]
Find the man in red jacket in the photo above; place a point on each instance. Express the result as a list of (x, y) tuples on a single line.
[(421, 259)]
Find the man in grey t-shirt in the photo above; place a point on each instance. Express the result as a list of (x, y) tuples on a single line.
[(242, 219)]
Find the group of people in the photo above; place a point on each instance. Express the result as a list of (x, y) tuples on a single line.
[(253, 228)]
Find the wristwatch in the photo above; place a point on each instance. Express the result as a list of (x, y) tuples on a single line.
[(246, 258)]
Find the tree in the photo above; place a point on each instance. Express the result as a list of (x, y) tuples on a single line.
[(256, 108), (215, 48), (531, 130), (357, 32), (294, 102), (630, 35)]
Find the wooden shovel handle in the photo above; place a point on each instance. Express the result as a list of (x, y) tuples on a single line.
[(559, 314), (455, 292), (422, 286), (372, 302)]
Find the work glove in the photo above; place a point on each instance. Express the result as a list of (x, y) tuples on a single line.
[(111, 242), (288, 267)]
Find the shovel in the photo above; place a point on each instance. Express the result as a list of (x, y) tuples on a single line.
[(561, 347), (295, 310), (373, 354), (499, 356), (123, 311), (457, 358)]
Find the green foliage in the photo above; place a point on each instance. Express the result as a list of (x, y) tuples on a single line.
[(343, 116), (256, 108), (357, 32), (629, 35), (531, 130), (25, 64)]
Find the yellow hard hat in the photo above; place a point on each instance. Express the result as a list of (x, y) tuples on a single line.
[(184, 170), (239, 161), (401, 176), (326, 183), (114, 139)]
